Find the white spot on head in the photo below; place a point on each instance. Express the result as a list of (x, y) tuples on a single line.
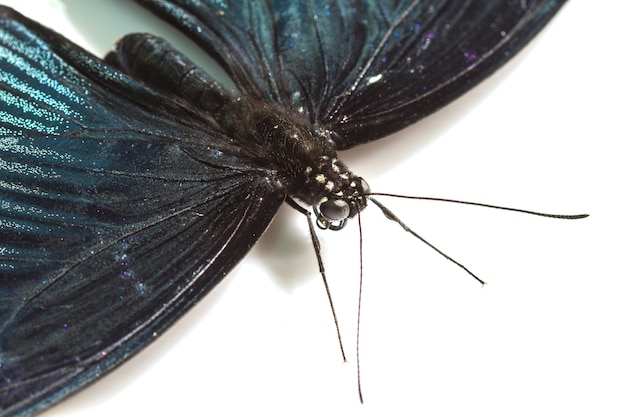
[(329, 185), (321, 178)]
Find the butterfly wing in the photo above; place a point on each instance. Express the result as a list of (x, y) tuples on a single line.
[(119, 209), (363, 69)]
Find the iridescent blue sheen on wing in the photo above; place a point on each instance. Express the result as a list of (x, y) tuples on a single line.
[(362, 69), (112, 222)]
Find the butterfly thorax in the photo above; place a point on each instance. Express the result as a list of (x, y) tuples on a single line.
[(306, 161)]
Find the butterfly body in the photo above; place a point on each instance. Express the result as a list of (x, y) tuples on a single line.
[(301, 155)]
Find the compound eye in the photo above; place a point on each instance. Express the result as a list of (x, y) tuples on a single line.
[(365, 186), (335, 209)]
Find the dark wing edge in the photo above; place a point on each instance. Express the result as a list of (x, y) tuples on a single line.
[(207, 264), (119, 210), (365, 68), (411, 88)]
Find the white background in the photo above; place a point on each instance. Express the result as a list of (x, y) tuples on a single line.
[(545, 337)]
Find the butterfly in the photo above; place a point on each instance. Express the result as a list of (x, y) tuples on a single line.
[(131, 185)]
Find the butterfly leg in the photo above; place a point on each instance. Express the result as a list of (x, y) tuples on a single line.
[(320, 263)]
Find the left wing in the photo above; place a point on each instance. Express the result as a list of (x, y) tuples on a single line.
[(119, 208)]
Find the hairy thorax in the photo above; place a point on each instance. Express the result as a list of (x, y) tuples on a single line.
[(306, 160)]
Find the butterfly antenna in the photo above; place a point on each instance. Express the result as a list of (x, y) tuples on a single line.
[(470, 203), (320, 263), (358, 319), (388, 213)]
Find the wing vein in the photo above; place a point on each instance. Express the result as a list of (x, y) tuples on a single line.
[(359, 77)]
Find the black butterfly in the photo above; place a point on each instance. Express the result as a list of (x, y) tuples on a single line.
[(130, 187)]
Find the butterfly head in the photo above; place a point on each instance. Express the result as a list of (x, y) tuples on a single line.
[(341, 194)]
